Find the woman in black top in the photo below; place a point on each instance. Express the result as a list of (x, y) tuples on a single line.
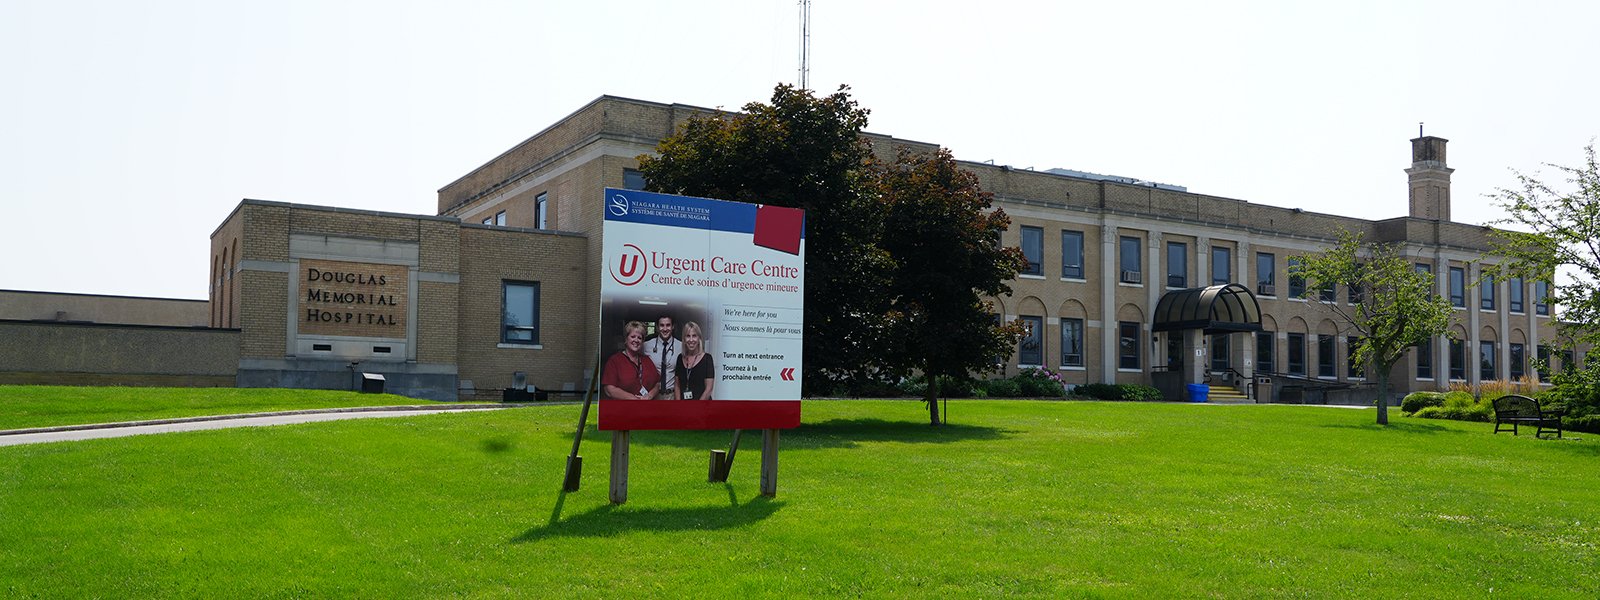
[(696, 373)]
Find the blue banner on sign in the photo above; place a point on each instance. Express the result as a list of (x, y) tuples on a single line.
[(635, 206)]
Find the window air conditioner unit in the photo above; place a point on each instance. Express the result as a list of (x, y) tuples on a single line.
[(1265, 289), (1130, 276)]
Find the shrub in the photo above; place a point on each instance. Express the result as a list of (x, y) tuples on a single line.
[(1416, 401), (1041, 383), (1106, 391), (1140, 393), (949, 387), (1002, 388), (1099, 391), (1459, 406)]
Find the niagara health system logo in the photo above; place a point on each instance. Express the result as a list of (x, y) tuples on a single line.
[(630, 265), (618, 205)]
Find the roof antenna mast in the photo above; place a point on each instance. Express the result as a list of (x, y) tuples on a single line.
[(805, 44)]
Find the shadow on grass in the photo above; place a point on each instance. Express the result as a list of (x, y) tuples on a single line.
[(837, 433), (610, 520), (1412, 428)]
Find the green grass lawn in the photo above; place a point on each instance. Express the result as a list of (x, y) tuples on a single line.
[(1040, 499), (23, 406)]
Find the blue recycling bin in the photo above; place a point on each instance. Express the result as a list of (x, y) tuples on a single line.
[(1198, 392)]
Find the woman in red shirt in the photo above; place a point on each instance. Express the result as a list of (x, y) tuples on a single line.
[(629, 375)]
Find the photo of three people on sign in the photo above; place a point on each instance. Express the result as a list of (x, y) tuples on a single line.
[(661, 367)]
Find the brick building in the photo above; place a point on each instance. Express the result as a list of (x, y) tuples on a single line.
[(1103, 251), (502, 280)]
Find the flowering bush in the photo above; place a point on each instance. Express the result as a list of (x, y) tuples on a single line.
[(1041, 382)]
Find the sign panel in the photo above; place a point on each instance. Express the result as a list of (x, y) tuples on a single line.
[(701, 312), (353, 299)]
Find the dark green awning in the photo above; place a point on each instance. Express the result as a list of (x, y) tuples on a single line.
[(1216, 309)]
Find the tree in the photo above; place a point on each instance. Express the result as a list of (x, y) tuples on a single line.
[(801, 151), (1562, 235), (1559, 233), (943, 237), (1397, 309)]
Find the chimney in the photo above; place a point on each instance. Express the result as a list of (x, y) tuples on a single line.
[(1430, 179)]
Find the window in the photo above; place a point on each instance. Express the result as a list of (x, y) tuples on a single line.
[(1486, 294), (1033, 250), (1220, 353), (1297, 354), (520, 313), (1357, 293), (1425, 360), (1072, 342), (1541, 297), (1131, 272), (1352, 368), (1426, 269), (1297, 281), (1544, 362), (633, 180), (1519, 363), (488, 220), (1486, 368), (1072, 254), (1325, 356), (1030, 349), (1458, 359), (500, 218), (541, 210), (1221, 265), (1128, 345), (1458, 287), (1326, 293), (1515, 298), (1266, 274), (1177, 265), (1264, 352), (1569, 361)]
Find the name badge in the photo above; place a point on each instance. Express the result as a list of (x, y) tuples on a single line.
[(688, 395), (643, 392)]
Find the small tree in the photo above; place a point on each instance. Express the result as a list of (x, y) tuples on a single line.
[(1558, 242), (1562, 235), (942, 237), (1397, 310)]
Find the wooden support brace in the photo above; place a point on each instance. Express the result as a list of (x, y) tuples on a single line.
[(714, 474), (769, 462), (619, 467)]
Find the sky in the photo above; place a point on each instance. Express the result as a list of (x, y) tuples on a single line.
[(130, 130)]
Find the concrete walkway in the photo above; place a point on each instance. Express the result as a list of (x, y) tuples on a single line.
[(39, 435)]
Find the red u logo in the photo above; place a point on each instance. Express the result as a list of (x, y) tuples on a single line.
[(630, 266)]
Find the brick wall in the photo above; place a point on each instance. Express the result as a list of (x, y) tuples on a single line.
[(559, 263), (76, 354)]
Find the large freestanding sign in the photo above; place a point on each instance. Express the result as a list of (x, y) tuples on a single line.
[(700, 314)]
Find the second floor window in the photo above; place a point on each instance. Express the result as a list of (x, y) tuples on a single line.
[(1221, 265), (541, 211), (1486, 294), (1131, 271), (1266, 274), (1033, 250), (1297, 281), (1458, 287), (1177, 264), (1515, 297), (1541, 297), (1072, 254)]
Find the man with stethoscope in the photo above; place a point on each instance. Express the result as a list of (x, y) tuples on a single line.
[(664, 351)]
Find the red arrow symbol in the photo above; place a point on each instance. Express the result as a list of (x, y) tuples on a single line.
[(787, 374)]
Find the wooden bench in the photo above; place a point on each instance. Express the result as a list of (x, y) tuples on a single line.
[(1514, 410)]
